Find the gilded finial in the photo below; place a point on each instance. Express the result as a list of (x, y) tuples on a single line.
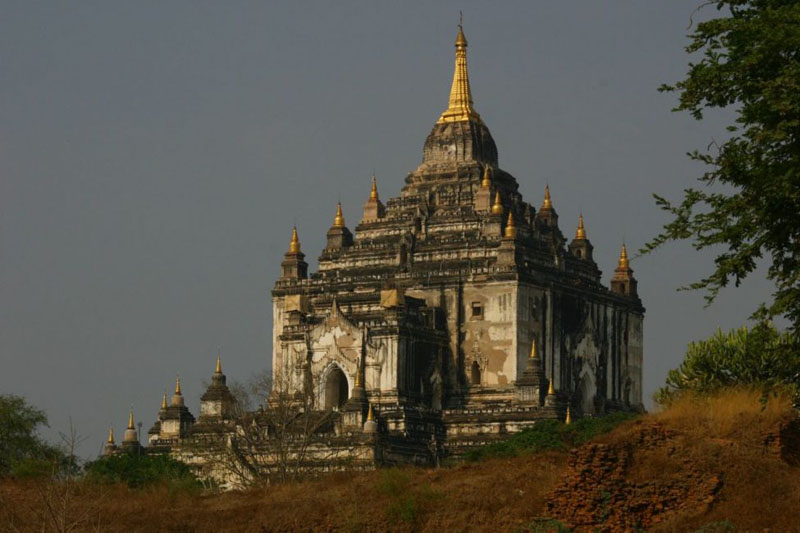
[(547, 203), (511, 229), (568, 419), (497, 207), (623, 257), (550, 390), (580, 233), (164, 400), (459, 108), (370, 414), (218, 370), (359, 381), (373, 194), (294, 244), (338, 221), (111, 435), (177, 385), (131, 425), (533, 349), (486, 182)]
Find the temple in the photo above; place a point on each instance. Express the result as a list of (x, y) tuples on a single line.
[(438, 297), (448, 317)]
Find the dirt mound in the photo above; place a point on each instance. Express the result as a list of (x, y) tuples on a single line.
[(602, 491), (729, 461), (721, 464)]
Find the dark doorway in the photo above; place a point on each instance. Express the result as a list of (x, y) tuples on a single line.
[(475, 374), (336, 390)]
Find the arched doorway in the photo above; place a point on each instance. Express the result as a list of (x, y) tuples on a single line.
[(336, 389), (475, 374)]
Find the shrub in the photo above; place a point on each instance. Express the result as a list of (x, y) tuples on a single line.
[(762, 358), (141, 471), (550, 435)]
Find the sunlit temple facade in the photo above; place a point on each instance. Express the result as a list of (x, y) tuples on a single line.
[(452, 314)]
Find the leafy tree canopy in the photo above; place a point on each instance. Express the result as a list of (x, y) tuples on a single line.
[(750, 63), (19, 441), (140, 470), (761, 357)]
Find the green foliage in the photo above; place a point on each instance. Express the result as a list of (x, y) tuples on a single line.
[(761, 357), (549, 435), (141, 471), (749, 204), (22, 451)]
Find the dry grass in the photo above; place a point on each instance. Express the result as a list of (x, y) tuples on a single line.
[(731, 412), (722, 436)]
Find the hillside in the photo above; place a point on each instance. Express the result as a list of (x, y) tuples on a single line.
[(718, 465)]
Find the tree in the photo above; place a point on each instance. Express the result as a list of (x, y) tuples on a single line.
[(750, 199), (280, 440), (762, 357), (20, 445)]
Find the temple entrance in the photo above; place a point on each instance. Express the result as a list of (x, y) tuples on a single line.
[(336, 389), (475, 374)]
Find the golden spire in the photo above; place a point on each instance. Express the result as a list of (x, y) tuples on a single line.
[(459, 108), (568, 419), (131, 425), (547, 203), (294, 244), (338, 221), (370, 414), (497, 207), (218, 370), (177, 385), (623, 257), (111, 435), (486, 182), (359, 382), (373, 194), (580, 233), (511, 230), (550, 390), (533, 349), (164, 400)]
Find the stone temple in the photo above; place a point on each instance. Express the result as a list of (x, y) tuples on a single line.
[(452, 314)]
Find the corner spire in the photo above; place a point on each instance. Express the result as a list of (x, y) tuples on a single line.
[(373, 194), (111, 435), (497, 206), (370, 414), (131, 424), (294, 244), (486, 182), (511, 229), (338, 221), (459, 108), (164, 400), (547, 203), (568, 419), (580, 233), (533, 349), (623, 258)]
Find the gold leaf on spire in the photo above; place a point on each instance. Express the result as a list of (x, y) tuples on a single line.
[(580, 233), (459, 108)]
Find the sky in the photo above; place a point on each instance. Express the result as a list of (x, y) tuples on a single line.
[(155, 155)]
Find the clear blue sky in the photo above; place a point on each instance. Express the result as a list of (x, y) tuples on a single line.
[(154, 156)]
